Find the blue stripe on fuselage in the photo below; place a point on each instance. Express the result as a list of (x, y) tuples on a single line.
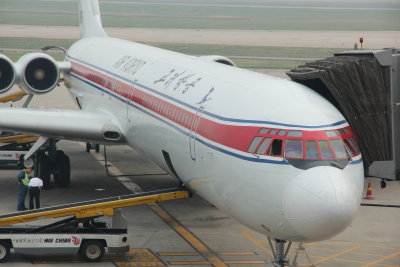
[(194, 109)]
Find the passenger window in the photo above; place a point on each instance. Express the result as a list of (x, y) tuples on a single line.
[(338, 148), (187, 119), (331, 133), (254, 144), (263, 131), (311, 150), (294, 133), (294, 148), (325, 150), (276, 148), (264, 145)]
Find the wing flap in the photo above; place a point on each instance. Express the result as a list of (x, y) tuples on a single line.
[(63, 124)]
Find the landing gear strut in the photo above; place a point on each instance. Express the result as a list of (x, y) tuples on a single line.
[(53, 162), (279, 252), (92, 146), (49, 161), (42, 168), (61, 171)]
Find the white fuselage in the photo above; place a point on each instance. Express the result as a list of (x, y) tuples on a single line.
[(196, 119)]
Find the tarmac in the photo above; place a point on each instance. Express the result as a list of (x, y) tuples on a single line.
[(192, 232)]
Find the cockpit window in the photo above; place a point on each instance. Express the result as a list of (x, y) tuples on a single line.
[(294, 134), (254, 144), (264, 145), (326, 151), (339, 149), (273, 131), (294, 148), (311, 150), (344, 131), (306, 148), (351, 147), (331, 133), (281, 132)]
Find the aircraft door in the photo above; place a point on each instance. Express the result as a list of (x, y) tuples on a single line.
[(130, 95), (193, 132)]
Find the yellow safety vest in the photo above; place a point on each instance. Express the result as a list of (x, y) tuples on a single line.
[(25, 181)]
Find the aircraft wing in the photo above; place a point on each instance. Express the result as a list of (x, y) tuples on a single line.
[(62, 124)]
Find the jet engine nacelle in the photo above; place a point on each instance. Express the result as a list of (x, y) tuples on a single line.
[(37, 73), (7, 74), (219, 59)]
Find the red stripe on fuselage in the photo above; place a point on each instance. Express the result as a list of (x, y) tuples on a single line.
[(234, 136)]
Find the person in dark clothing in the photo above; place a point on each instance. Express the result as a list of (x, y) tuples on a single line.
[(35, 184), (23, 179)]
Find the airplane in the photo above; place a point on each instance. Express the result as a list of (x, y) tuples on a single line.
[(272, 153)]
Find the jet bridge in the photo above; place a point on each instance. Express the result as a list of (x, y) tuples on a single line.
[(93, 208), (365, 87)]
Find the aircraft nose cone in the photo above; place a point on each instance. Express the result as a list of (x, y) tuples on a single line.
[(321, 202)]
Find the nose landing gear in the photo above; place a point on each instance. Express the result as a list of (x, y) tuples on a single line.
[(279, 252)]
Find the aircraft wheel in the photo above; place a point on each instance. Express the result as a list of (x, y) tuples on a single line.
[(90, 146), (62, 174), (4, 251), (92, 250), (42, 168)]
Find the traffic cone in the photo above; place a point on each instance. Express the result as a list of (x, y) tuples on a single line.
[(369, 192)]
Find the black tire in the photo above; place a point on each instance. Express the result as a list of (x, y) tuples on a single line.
[(20, 163), (87, 147), (42, 168), (62, 173), (4, 251), (92, 251), (97, 148)]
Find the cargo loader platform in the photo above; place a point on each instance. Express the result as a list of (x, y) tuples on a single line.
[(80, 232), (91, 208)]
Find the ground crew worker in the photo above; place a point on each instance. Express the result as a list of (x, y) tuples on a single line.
[(23, 179), (35, 184)]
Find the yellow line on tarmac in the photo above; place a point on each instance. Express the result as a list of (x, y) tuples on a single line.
[(206, 262), (339, 254), (179, 228), (382, 259), (188, 262), (188, 236), (177, 254), (355, 261), (258, 243), (237, 253), (195, 254)]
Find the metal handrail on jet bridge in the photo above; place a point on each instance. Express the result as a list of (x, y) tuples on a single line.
[(90, 208)]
